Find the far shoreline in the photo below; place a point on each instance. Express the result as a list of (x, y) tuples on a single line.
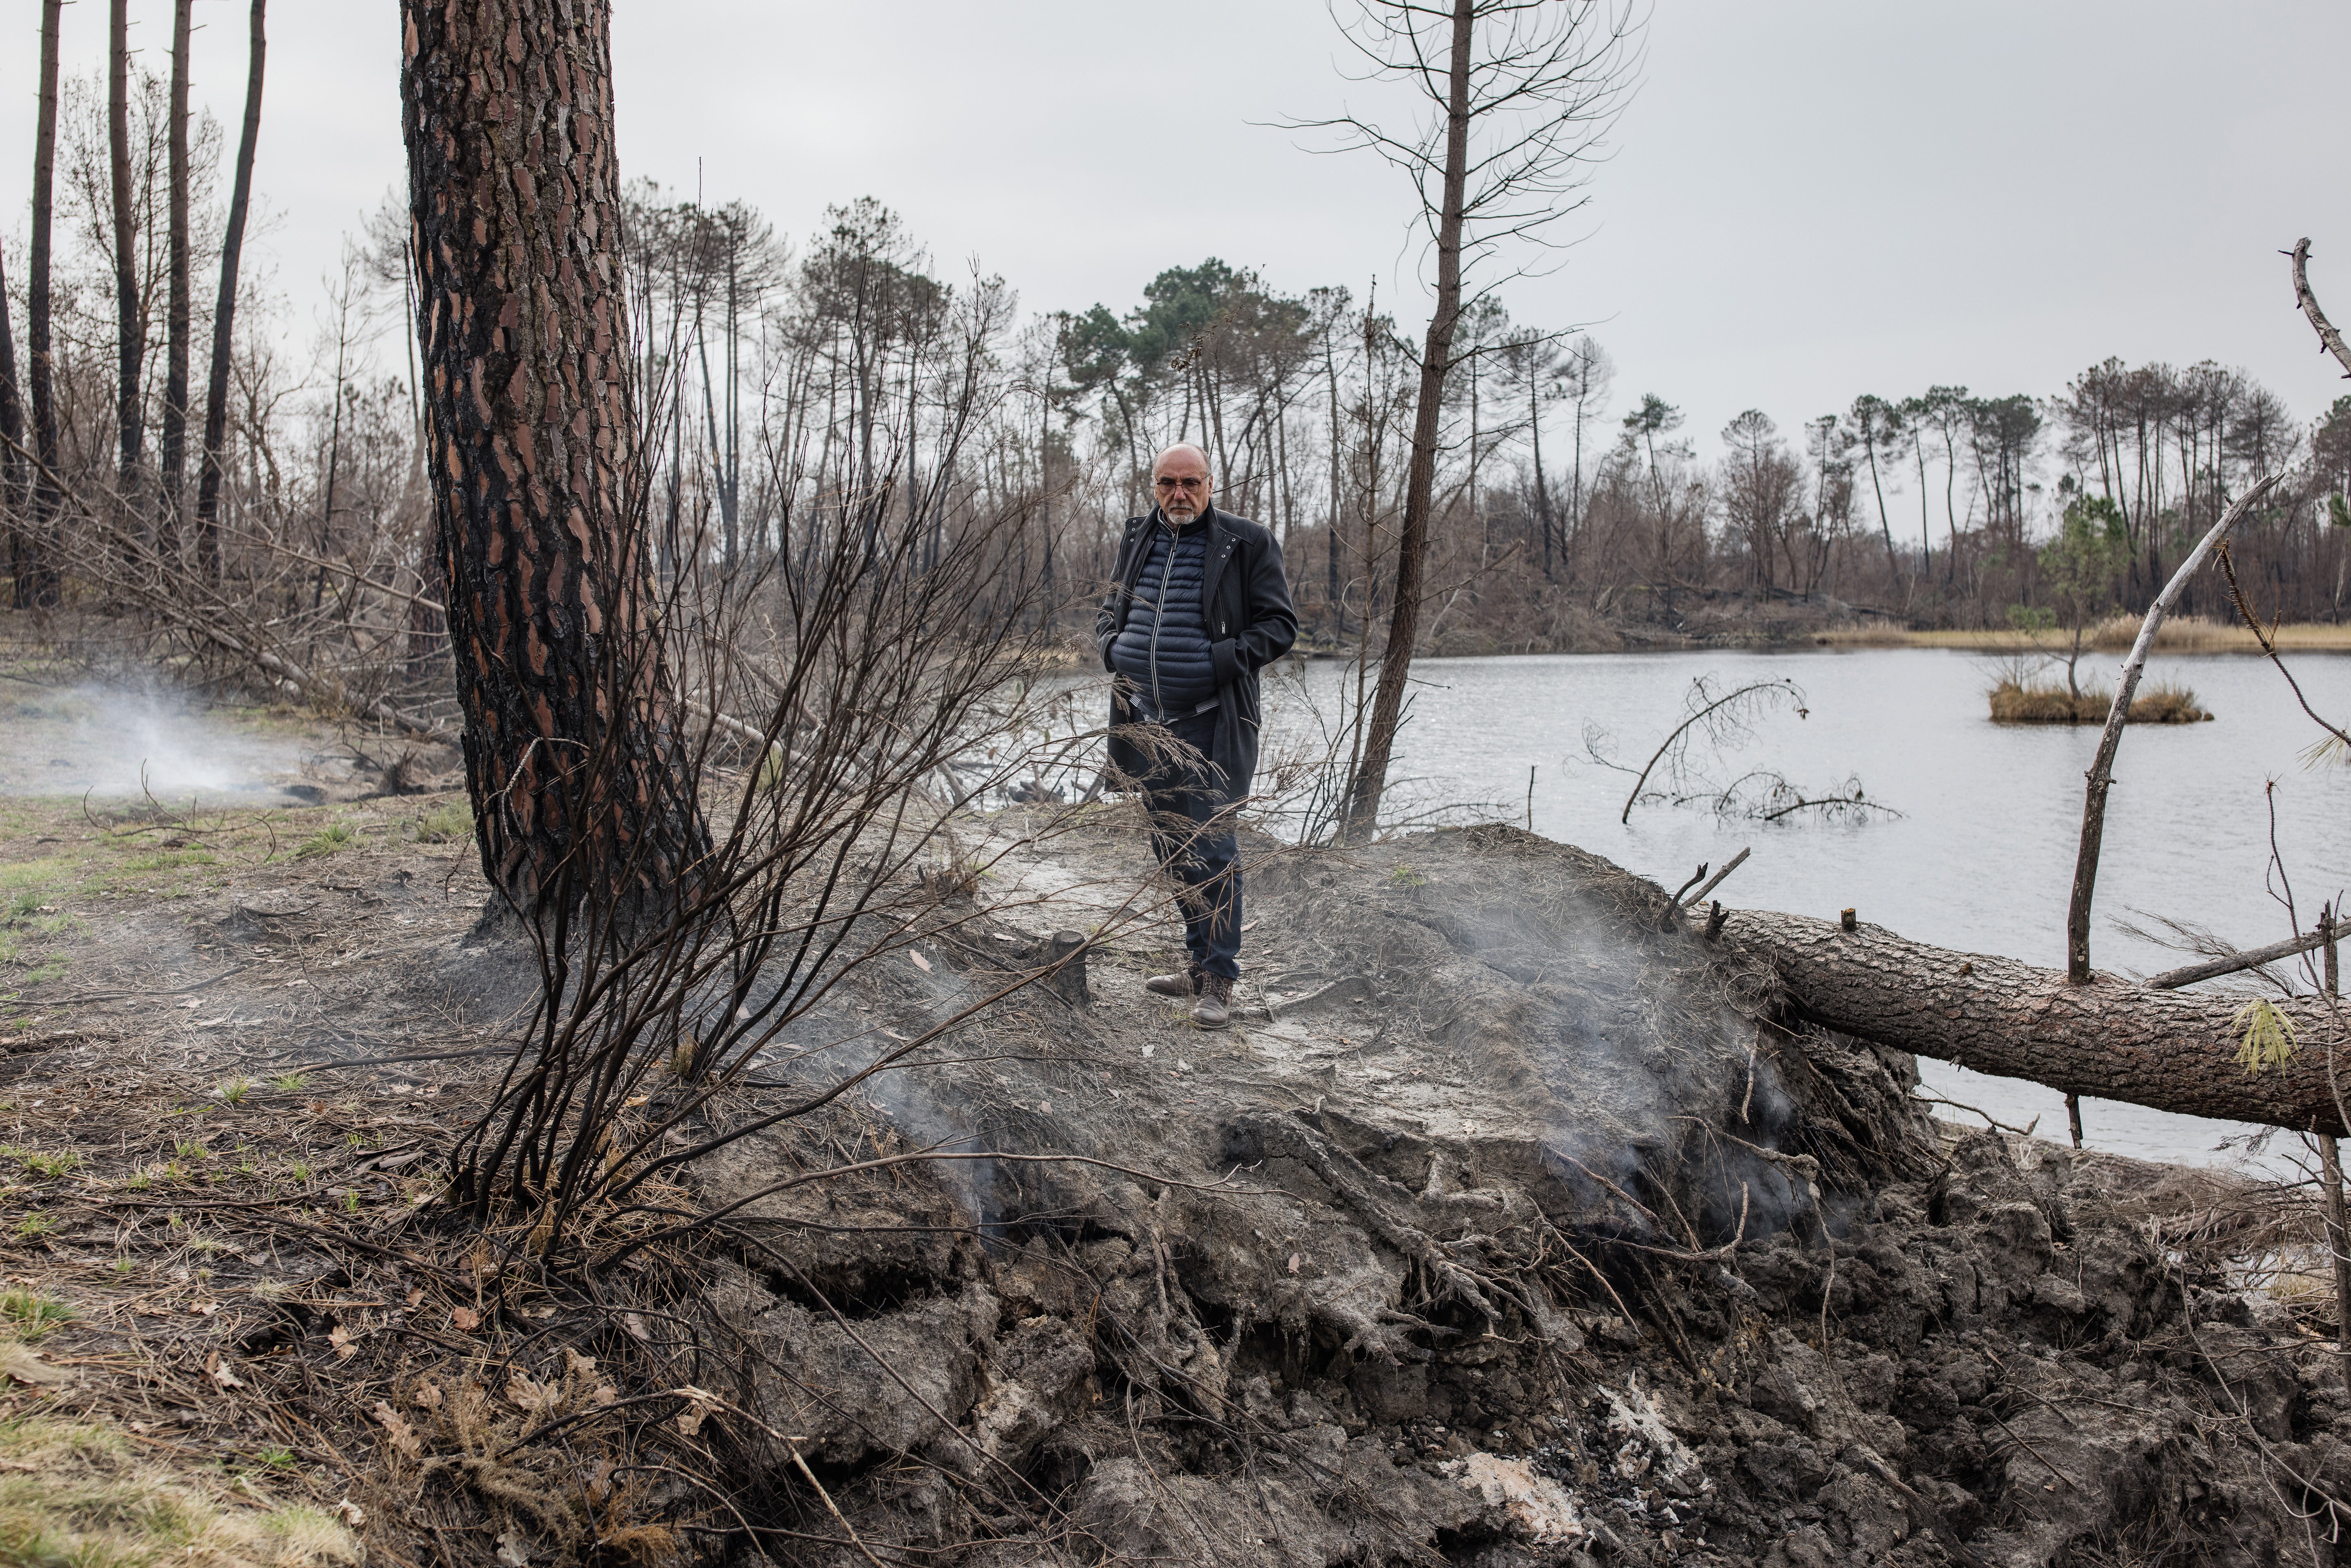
[(2180, 635)]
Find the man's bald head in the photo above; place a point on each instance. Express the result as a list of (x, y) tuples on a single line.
[(1180, 481)]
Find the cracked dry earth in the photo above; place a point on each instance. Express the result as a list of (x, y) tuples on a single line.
[(1500, 1229)]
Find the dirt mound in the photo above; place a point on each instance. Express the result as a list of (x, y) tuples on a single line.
[(1503, 1228)]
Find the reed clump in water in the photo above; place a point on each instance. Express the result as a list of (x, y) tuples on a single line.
[(2021, 702)]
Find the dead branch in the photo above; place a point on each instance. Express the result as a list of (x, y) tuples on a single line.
[(2329, 340), (2094, 805), (2230, 964)]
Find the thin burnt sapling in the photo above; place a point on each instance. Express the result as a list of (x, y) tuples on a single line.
[(884, 657)]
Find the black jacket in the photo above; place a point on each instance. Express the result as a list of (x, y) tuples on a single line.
[(1245, 600)]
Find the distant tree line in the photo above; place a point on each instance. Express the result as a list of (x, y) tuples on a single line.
[(1567, 517), (847, 383)]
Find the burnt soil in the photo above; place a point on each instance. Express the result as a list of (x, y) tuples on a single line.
[(1502, 1227)]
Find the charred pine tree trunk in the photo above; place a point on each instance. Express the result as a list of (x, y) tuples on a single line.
[(129, 324), (174, 452), (1370, 782), (35, 568), (572, 746), (12, 435), (208, 483), (1543, 487)]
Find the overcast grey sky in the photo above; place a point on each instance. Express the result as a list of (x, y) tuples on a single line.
[(1807, 199)]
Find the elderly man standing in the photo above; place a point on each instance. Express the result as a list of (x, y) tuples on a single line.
[(1197, 606)]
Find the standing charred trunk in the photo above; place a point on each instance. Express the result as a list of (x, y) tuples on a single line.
[(208, 485), (12, 435), (34, 568), (174, 452), (1543, 487), (130, 322), (572, 746), (1420, 480)]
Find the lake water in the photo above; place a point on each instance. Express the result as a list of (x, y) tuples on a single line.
[(1981, 858)]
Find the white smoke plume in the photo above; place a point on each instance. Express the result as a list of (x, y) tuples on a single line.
[(113, 743)]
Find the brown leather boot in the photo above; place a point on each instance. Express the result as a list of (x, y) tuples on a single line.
[(1185, 982), (1215, 1007)]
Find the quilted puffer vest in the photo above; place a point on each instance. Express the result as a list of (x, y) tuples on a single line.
[(1163, 647)]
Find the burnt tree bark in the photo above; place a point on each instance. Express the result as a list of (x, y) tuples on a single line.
[(208, 483), (130, 322), (33, 567), (12, 428), (574, 751), (173, 452), (2172, 1050), (1370, 784)]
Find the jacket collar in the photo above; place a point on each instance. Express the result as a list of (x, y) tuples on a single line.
[(1220, 543), (1208, 515)]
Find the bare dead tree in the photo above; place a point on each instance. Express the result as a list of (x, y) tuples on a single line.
[(208, 483), (1519, 95), (2111, 1040), (880, 669), (33, 567), (2101, 777), (174, 452), (129, 320), (2330, 341), (12, 431)]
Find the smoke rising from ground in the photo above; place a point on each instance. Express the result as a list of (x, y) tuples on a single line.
[(112, 743)]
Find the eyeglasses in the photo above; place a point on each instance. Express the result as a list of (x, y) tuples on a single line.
[(1192, 484)]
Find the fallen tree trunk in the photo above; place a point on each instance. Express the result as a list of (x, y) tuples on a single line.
[(2111, 1038)]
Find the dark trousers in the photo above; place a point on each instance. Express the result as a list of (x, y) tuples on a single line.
[(1192, 833)]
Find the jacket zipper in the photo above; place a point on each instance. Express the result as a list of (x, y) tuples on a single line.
[(1158, 613)]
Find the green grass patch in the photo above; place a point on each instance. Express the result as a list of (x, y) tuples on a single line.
[(334, 836), (40, 1162), (28, 893), (33, 1314), (25, 882), (444, 824), (80, 1495), (170, 860)]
